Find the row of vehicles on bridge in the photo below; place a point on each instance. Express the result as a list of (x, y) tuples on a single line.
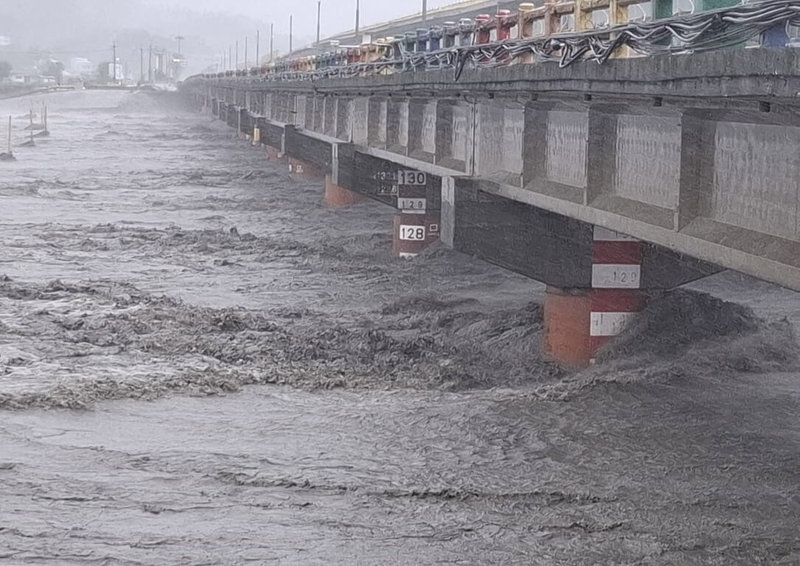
[(529, 22)]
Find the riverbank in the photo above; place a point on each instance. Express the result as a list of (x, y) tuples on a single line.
[(9, 91)]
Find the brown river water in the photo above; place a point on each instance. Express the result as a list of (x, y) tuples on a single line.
[(201, 364)]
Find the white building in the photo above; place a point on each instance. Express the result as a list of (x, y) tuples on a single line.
[(81, 67)]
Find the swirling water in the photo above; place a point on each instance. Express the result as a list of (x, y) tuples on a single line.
[(200, 364)]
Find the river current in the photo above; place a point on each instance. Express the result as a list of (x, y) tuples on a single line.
[(201, 364)]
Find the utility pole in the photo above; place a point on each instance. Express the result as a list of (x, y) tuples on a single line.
[(258, 48), (230, 57), (237, 54), (141, 65), (114, 61), (245, 52), (271, 40), (290, 33), (424, 10), (358, 16), (319, 10)]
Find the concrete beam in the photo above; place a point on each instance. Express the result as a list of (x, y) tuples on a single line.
[(422, 125), (542, 245), (397, 122), (315, 150), (722, 75), (454, 142)]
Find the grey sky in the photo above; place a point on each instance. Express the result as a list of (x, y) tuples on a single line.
[(337, 15)]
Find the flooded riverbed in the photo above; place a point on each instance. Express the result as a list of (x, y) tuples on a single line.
[(200, 364)]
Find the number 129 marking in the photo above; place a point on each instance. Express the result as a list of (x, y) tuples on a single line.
[(412, 204)]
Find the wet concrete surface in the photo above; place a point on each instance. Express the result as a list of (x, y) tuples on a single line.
[(200, 364)]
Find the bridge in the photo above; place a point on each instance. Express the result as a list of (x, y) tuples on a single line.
[(610, 162)]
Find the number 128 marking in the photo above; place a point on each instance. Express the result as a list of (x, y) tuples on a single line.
[(412, 233)]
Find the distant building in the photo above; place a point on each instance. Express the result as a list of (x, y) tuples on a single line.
[(31, 78), (81, 67), (115, 72), (167, 66)]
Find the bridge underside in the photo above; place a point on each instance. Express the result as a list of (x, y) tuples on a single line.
[(637, 175)]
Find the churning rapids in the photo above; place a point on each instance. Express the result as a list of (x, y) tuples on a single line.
[(200, 364)]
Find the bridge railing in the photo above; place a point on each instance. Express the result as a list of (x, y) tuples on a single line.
[(563, 31)]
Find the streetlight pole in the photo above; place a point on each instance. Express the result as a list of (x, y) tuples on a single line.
[(424, 10), (258, 48), (291, 18), (245, 52), (358, 15), (271, 41), (319, 10)]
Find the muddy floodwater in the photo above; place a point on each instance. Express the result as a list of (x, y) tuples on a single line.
[(201, 364)]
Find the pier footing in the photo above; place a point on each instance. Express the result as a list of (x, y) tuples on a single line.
[(579, 322), (339, 197)]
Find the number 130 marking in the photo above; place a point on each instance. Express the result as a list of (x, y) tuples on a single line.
[(414, 178)]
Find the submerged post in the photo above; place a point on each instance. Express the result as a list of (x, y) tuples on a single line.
[(10, 155)]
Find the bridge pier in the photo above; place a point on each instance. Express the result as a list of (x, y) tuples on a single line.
[(579, 322), (597, 279), (412, 233), (339, 197), (274, 154), (299, 169)]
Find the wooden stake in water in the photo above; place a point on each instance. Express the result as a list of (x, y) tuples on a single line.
[(10, 155)]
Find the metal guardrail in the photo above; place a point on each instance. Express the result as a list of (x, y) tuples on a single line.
[(487, 41)]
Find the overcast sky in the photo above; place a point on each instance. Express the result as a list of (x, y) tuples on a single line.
[(337, 15)]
